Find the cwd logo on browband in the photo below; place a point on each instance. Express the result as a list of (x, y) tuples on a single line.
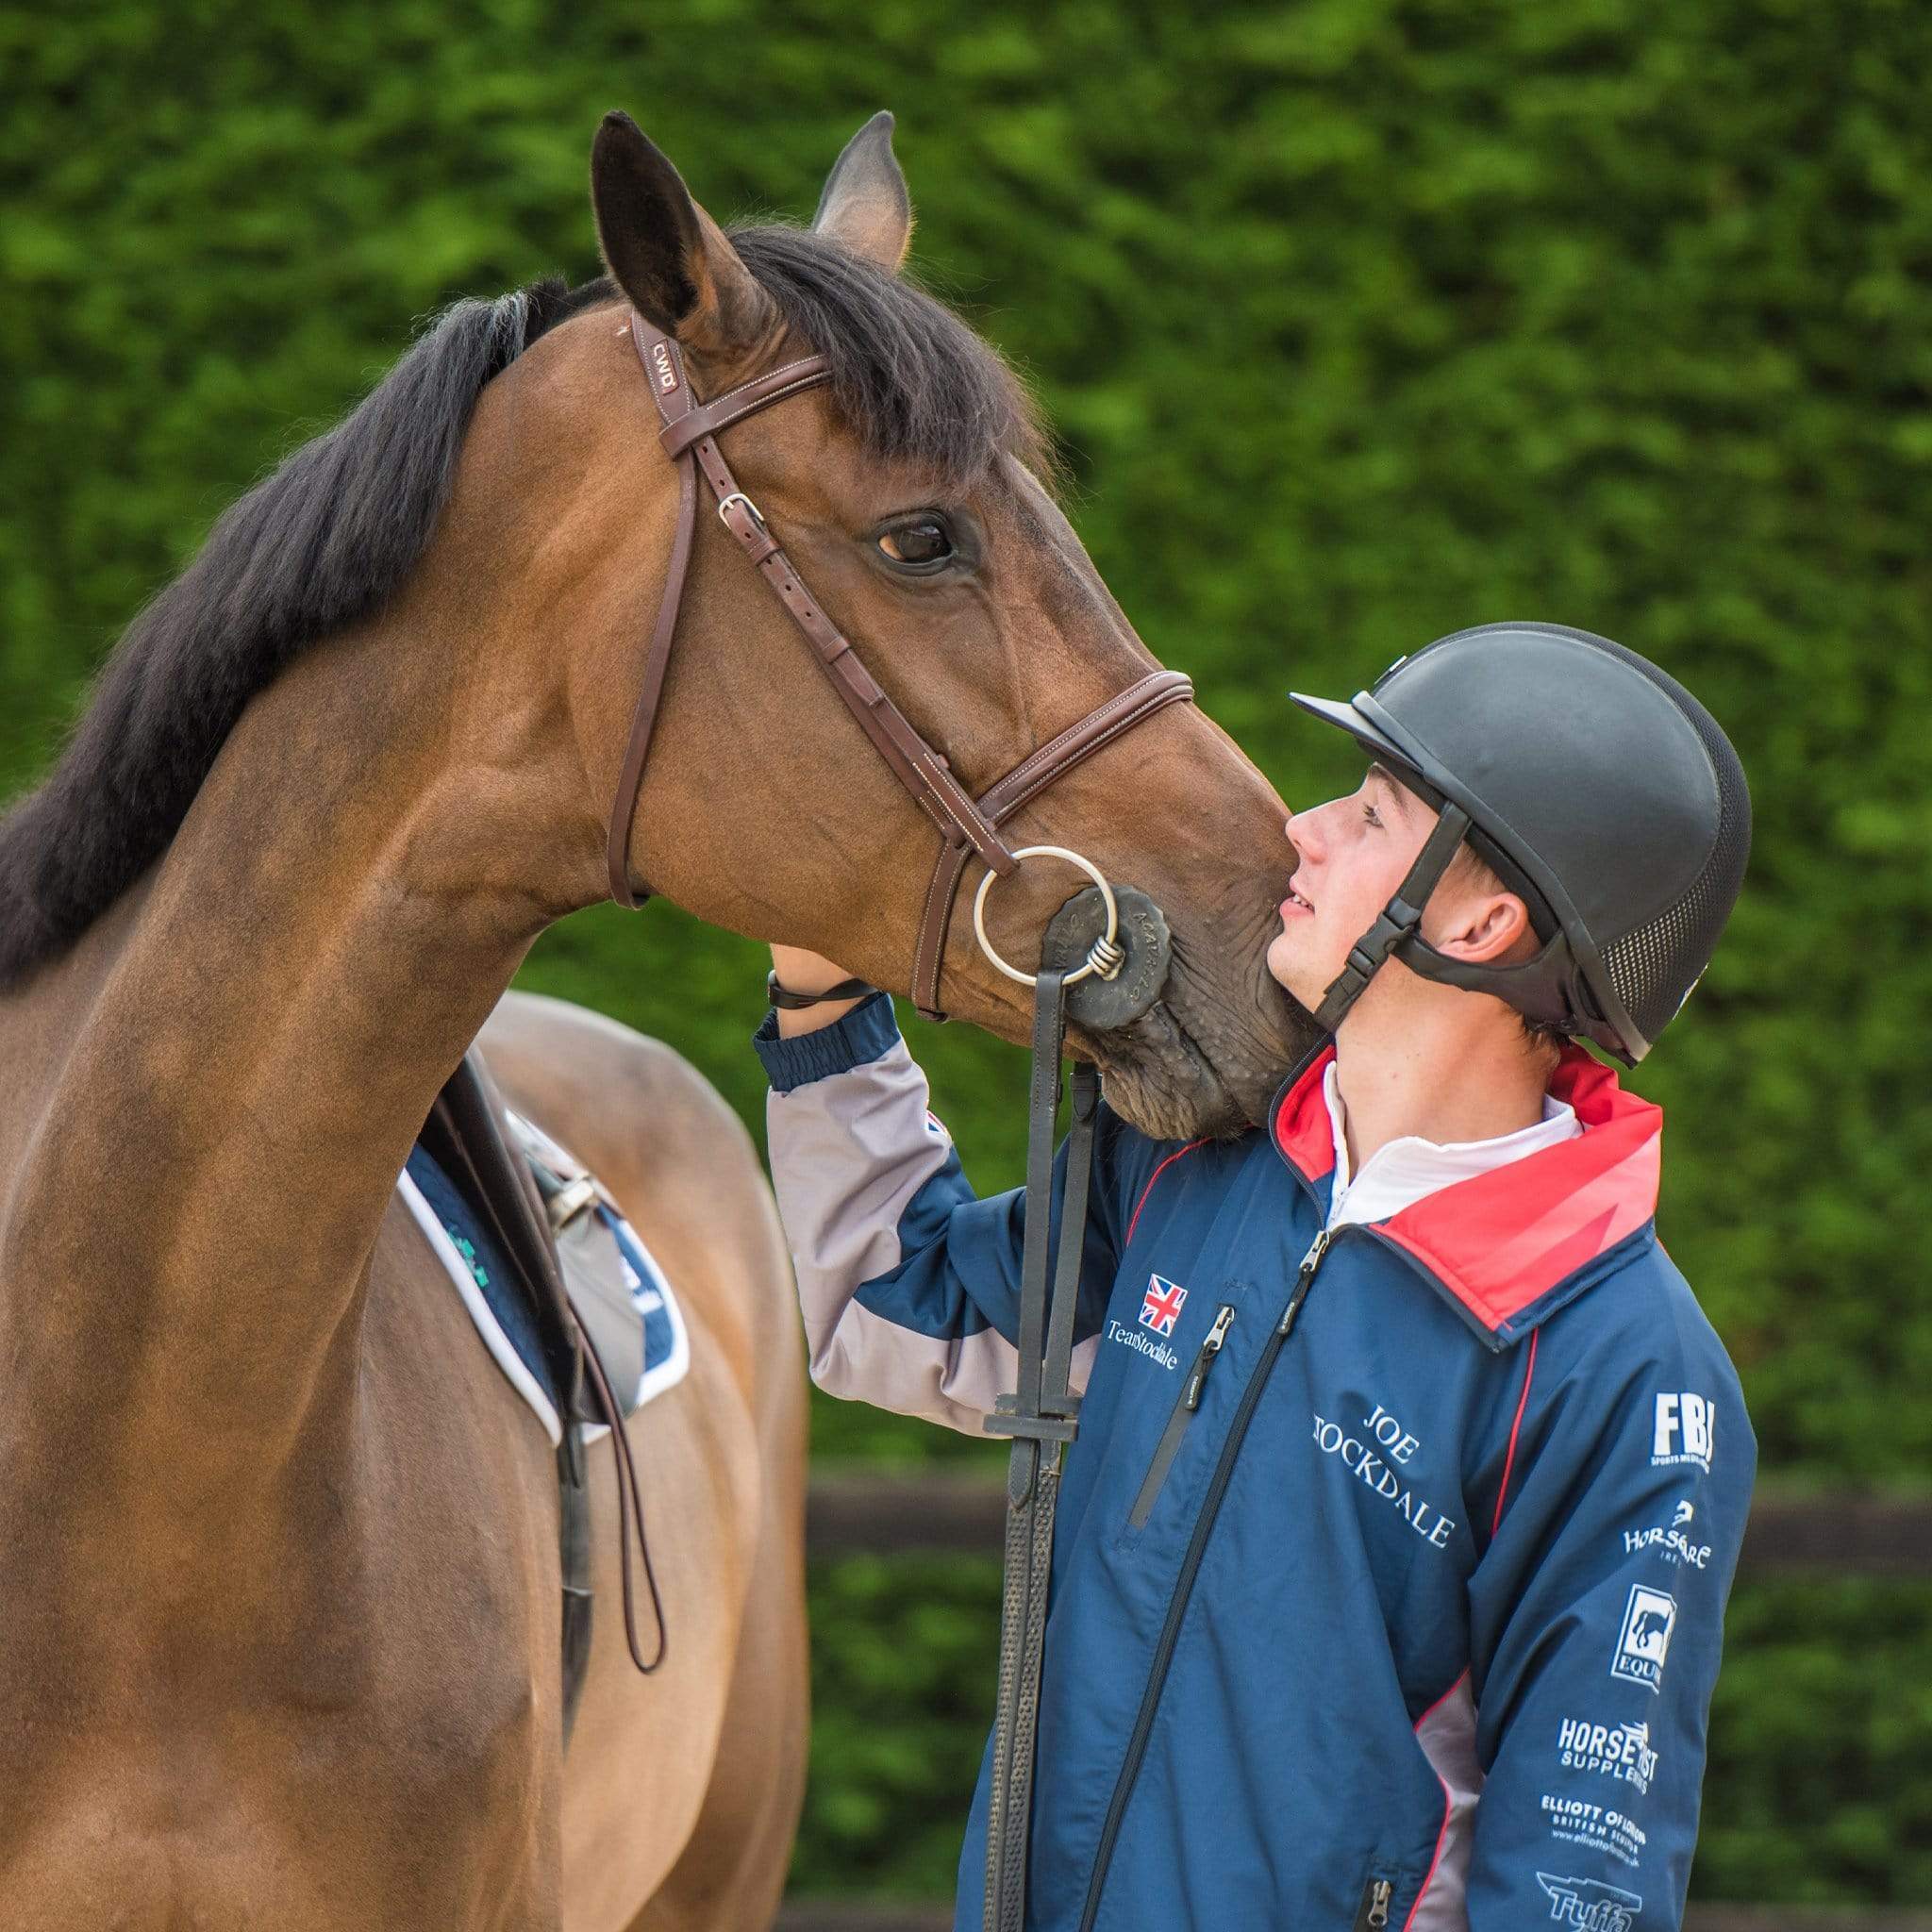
[(660, 361), (1161, 1307)]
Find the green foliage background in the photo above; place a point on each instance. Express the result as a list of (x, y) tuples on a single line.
[(1362, 320)]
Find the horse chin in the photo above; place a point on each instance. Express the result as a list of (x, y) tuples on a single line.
[(1161, 1078)]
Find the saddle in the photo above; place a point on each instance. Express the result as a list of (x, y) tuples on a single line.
[(537, 1205)]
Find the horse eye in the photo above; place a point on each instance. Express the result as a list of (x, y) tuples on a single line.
[(920, 540)]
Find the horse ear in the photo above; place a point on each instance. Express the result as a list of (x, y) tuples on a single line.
[(664, 251), (865, 207)]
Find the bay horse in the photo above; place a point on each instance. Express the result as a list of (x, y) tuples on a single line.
[(281, 1604)]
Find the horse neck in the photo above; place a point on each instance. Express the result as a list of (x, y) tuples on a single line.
[(192, 1229)]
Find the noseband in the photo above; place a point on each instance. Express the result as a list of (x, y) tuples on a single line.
[(967, 827)]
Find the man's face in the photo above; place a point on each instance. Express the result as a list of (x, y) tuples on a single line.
[(1352, 854)]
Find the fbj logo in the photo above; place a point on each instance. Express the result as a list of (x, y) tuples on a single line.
[(1683, 1431)]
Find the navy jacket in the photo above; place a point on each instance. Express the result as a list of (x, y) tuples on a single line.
[(1402, 1610)]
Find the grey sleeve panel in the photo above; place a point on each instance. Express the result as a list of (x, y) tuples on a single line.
[(851, 1152)]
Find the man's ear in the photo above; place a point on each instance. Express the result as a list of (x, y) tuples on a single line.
[(665, 252), (864, 206), (1485, 929)]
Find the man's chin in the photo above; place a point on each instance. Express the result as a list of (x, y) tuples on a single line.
[(1290, 973)]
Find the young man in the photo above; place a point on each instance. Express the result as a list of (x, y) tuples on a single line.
[(1392, 1560)]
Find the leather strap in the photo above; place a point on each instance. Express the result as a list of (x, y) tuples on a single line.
[(734, 404), (573, 1559), (797, 1002), (656, 661), (1041, 1416), (1023, 784), (684, 422), (1083, 1094), (630, 1512)]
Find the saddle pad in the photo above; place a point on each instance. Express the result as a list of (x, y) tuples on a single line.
[(656, 1344)]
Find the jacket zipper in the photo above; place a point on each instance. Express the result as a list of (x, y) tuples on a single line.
[(1184, 1408), (1374, 1913), (1191, 1564)]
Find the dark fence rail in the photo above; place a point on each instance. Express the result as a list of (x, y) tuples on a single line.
[(868, 1513)]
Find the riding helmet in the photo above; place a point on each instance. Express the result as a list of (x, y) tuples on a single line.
[(1595, 787)]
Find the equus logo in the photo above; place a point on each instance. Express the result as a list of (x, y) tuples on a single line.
[(1649, 1619)]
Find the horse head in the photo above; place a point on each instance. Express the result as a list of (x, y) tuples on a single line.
[(910, 489)]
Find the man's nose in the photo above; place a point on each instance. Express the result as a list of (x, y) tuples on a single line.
[(1303, 833)]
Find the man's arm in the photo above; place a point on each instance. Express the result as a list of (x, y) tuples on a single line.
[(908, 1283), (1597, 1624)]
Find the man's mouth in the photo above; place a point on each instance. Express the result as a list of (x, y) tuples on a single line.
[(1294, 904)]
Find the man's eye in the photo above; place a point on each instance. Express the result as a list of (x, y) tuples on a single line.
[(1370, 815), (920, 540)]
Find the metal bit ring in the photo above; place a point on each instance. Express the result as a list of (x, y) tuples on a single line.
[(1105, 956)]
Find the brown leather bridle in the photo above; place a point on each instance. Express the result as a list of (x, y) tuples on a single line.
[(968, 826)]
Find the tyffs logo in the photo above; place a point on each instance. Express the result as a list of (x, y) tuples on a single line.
[(1590, 1905), (1161, 1307)]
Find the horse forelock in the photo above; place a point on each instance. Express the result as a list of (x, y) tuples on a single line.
[(914, 382)]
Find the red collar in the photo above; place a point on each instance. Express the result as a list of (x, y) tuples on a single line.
[(1504, 1240)]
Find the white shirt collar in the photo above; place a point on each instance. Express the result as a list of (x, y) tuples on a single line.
[(1400, 1174)]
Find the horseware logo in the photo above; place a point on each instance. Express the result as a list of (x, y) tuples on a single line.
[(1588, 1905), (660, 361), (1161, 1309)]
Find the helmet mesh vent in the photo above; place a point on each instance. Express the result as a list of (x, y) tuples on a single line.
[(1654, 966)]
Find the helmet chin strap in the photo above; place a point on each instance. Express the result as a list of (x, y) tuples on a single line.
[(1547, 989), (1400, 919)]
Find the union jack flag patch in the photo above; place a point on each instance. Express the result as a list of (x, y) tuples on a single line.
[(1161, 1307)]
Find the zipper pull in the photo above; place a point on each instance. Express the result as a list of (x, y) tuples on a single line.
[(1373, 1914), (1191, 1399), (1304, 1274)]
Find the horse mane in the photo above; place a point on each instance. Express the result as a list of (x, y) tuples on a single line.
[(332, 533)]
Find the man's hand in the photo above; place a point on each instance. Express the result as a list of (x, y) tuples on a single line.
[(799, 971)]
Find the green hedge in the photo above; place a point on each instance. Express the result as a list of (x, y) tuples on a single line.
[(1362, 320)]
